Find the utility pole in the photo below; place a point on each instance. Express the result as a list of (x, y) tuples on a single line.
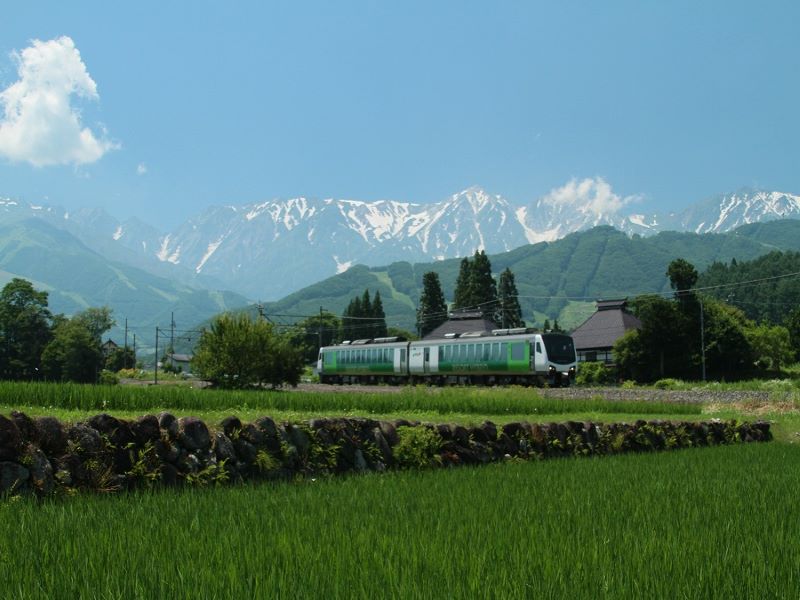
[(172, 332), (134, 351), (125, 355), (702, 339), (319, 327), (155, 377)]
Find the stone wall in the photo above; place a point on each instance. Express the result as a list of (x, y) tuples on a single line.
[(45, 456)]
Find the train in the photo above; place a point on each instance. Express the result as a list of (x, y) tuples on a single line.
[(499, 357)]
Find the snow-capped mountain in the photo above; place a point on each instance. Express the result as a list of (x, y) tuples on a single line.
[(269, 249)]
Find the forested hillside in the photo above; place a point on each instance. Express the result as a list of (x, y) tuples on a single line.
[(558, 279), (769, 295), (76, 278)]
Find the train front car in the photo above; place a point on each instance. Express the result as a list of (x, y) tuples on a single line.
[(382, 360), (500, 357), (557, 361)]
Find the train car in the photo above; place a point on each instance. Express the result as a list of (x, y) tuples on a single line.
[(382, 360), (506, 356)]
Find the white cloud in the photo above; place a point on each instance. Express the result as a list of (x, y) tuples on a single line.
[(141, 169), (590, 194), (39, 124)]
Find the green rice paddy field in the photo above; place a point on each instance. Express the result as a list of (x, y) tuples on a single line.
[(704, 523)]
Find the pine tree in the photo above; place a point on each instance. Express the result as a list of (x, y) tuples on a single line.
[(546, 326), (482, 284), (461, 297), (365, 325), (475, 287), (432, 310), (379, 324), (509, 313)]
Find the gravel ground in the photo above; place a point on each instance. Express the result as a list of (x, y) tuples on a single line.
[(607, 393)]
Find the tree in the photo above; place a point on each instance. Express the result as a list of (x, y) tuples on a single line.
[(309, 332), (25, 329), (475, 287), (771, 346), (482, 284), (379, 324), (73, 354), (509, 313), (682, 277), (364, 318), (432, 310), (659, 348), (239, 352), (96, 320), (461, 296), (792, 324), (120, 358)]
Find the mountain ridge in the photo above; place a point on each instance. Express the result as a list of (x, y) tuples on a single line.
[(265, 250)]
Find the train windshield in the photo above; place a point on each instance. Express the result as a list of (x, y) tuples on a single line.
[(560, 348)]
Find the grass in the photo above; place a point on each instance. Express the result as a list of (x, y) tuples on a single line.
[(694, 524), (443, 402), (699, 523)]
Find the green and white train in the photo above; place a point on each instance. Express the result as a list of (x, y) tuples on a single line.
[(504, 356)]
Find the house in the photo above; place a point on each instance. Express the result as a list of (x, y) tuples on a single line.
[(180, 362), (460, 322), (109, 347), (594, 338)]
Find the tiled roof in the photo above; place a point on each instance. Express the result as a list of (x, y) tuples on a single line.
[(460, 326), (604, 328)]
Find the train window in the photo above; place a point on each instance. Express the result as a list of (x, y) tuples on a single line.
[(538, 348), (486, 351), (402, 355), (517, 351), (441, 353)]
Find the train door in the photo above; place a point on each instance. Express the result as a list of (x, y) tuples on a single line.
[(426, 360), (400, 361), (537, 356)]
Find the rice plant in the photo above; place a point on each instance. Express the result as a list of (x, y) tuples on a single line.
[(690, 524)]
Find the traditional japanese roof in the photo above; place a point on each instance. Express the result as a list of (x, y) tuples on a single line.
[(461, 323), (605, 326)]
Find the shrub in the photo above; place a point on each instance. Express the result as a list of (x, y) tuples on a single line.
[(594, 373), (417, 448), (108, 378), (667, 384)]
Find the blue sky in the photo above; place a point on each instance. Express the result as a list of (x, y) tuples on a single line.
[(201, 103)]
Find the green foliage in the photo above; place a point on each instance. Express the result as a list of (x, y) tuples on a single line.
[(310, 331), (594, 373), (432, 310), (417, 448), (509, 313), (239, 352), (96, 321), (682, 276), (24, 329), (120, 358), (476, 288), (74, 354), (108, 378), (769, 300), (364, 318), (771, 345), (667, 384), (792, 324)]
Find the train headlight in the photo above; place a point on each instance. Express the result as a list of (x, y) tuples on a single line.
[(552, 369)]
